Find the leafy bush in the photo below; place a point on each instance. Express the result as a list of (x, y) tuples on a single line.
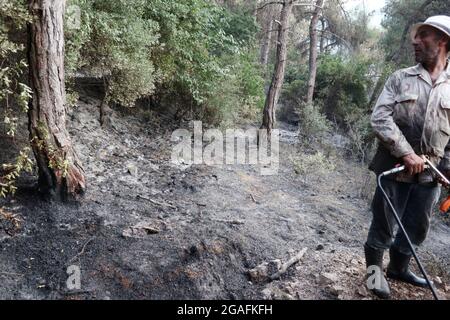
[(115, 41), (343, 86), (317, 164), (14, 92), (190, 53), (239, 96), (360, 134), (313, 124), (191, 39)]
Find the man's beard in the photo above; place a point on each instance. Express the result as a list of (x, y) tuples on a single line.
[(427, 56)]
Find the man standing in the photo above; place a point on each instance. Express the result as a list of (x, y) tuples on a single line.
[(411, 119)]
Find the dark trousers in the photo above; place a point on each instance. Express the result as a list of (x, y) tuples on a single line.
[(414, 204)]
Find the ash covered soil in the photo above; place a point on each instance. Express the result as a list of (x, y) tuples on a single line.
[(147, 229)]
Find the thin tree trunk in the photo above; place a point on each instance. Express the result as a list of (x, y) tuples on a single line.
[(313, 51), (303, 49), (60, 171), (255, 9), (265, 48), (322, 36), (280, 65)]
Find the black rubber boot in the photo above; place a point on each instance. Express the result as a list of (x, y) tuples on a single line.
[(398, 269), (374, 257)]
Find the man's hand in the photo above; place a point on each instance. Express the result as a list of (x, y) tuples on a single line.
[(413, 163)]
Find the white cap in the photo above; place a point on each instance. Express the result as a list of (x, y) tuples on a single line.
[(441, 23)]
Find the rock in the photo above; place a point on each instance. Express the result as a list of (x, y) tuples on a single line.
[(336, 290), (132, 169), (274, 266), (319, 247), (362, 291), (352, 271), (328, 278), (262, 272), (267, 294), (145, 228), (258, 274)]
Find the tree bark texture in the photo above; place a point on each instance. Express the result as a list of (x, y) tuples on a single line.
[(265, 48), (313, 51), (61, 174), (280, 65)]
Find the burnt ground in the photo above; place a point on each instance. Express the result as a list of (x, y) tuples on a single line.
[(147, 229)]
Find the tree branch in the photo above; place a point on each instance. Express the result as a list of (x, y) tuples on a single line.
[(295, 4), (269, 3)]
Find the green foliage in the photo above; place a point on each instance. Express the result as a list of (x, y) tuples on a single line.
[(241, 27), (295, 83), (192, 38), (114, 41), (341, 96), (14, 92), (343, 86), (240, 95), (315, 164), (313, 123), (180, 51), (13, 170), (360, 134)]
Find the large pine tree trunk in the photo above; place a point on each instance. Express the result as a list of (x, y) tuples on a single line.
[(280, 65), (60, 171), (313, 51)]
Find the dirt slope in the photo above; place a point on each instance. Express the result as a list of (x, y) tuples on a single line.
[(147, 229)]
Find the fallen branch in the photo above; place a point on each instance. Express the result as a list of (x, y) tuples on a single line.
[(253, 198), (273, 269), (288, 264), (79, 254)]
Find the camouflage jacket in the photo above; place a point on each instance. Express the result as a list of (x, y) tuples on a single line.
[(412, 114)]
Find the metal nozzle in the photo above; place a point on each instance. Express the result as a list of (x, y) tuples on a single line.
[(439, 173), (392, 171)]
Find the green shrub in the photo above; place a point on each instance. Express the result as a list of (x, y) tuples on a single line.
[(116, 42), (312, 164), (191, 53), (14, 92), (313, 124)]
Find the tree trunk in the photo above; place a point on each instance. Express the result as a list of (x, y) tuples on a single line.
[(322, 36), (265, 48), (313, 51), (60, 171), (280, 64)]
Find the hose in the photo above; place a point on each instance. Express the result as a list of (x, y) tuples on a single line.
[(394, 212)]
